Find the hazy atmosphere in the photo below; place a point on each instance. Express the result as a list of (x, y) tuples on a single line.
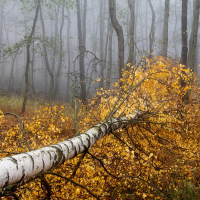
[(99, 99), (50, 37)]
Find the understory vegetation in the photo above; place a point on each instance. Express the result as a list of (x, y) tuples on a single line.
[(157, 157)]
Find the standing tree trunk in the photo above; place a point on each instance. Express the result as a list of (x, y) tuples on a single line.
[(106, 43), (165, 29), (174, 32), (1, 38), (28, 58), (81, 39), (120, 36), (110, 57), (146, 21), (54, 64), (184, 33), (101, 44), (57, 78), (193, 37), (131, 31), (11, 82), (50, 72), (152, 31), (184, 51), (32, 71), (68, 54)]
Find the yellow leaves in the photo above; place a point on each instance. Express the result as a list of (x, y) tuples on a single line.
[(128, 65), (144, 195), (151, 155), (1, 116), (159, 94)]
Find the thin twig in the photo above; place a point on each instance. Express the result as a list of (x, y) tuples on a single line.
[(78, 164), (74, 182)]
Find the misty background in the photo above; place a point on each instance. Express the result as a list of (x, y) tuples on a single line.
[(59, 63)]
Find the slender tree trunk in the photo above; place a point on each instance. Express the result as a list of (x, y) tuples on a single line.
[(81, 38), (131, 5), (152, 31), (146, 19), (32, 72), (53, 66), (174, 32), (193, 37), (50, 72), (60, 54), (110, 57), (135, 28), (141, 28), (101, 44), (1, 40), (165, 29), (184, 33), (106, 44), (120, 36), (95, 31), (197, 59), (68, 54), (28, 58), (11, 82), (184, 51)]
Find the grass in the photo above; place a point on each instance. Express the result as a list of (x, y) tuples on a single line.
[(14, 104)]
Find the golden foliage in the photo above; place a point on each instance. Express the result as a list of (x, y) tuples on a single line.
[(157, 158)]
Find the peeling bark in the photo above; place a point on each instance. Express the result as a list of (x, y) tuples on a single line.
[(18, 168)]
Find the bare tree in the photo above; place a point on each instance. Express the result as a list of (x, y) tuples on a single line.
[(131, 5), (1, 38), (184, 33), (57, 78), (174, 32), (110, 56), (165, 29), (101, 43), (29, 40), (193, 37), (120, 36), (152, 31), (68, 53), (81, 39)]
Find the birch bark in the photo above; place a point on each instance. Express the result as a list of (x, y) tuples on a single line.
[(18, 168)]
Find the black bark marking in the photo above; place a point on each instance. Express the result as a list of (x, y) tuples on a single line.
[(14, 161), (31, 160), (67, 150), (7, 176), (23, 175), (58, 156), (49, 154)]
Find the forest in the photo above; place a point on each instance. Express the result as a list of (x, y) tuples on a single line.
[(99, 99)]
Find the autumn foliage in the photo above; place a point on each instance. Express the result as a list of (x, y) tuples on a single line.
[(156, 158)]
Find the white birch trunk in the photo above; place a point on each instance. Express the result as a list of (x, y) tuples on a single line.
[(17, 168)]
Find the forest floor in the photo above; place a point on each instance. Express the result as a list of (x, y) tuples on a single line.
[(156, 157)]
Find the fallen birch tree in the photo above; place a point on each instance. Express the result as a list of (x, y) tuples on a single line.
[(18, 168)]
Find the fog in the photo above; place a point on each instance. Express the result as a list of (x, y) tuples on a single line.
[(55, 69)]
